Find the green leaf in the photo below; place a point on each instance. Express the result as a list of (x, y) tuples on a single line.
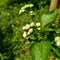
[(40, 50), (48, 18), (47, 29), (32, 37)]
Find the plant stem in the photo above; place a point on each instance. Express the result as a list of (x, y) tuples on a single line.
[(53, 4)]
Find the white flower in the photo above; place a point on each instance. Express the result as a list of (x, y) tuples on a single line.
[(58, 43), (21, 11), (57, 38), (31, 12), (31, 5), (32, 24), (24, 34), (26, 6), (37, 24), (30, 30), (24, 28), (23, 8), (28, 33), (27, 26)]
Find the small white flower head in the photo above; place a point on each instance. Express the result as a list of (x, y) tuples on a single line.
[(23, 8), (32, 24), (58, 43), (26, 6), (37, 24), (38, 28), (30, 30), (21, 11), (31, 5), (27, 26), (57, 39), (24, 34), (31, 12), (24, 28), (28, 33)]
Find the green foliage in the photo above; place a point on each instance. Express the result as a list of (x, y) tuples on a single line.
[(40, 50), (48, 18), (12, 45), (41, 33)]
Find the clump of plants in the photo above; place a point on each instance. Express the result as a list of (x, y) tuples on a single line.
[(44, 36), (31, 29)]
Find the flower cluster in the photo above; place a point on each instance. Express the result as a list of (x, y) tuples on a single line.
[(24, 7), (57, 40), (32, 13), (29, 28)]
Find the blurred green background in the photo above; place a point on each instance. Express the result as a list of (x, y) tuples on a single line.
[(12, 44)]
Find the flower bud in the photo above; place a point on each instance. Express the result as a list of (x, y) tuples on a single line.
[(24, 28), (32, 24), (26, 6), (21, 11), (37, 24), (31, 12), (31, 5), (31, 30), (27, 26), (58, 43), (57, 38), (38, 28), (24, 34), (28, 33)]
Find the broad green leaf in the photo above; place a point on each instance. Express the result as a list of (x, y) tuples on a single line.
[(40, 50), (48, 18), (47, 29), (32, 37)]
